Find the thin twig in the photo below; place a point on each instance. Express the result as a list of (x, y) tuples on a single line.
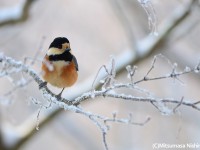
[(106, 70), (105, 141), (141, 52), (179, 104)]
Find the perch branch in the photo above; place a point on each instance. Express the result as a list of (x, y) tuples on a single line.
[(128, 57)]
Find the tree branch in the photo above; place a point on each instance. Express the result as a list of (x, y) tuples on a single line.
[(15, 14), (144, 47), (11, 66)]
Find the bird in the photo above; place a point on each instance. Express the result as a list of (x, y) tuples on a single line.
[(59, 66)]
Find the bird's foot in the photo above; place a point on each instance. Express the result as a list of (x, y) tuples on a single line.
[(59, 96)]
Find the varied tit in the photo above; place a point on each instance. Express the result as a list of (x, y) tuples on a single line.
[(59, 66)]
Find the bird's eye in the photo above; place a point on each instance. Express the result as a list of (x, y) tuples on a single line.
[(60, 46)]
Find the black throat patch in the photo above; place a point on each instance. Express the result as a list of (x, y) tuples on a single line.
[(66, 56)]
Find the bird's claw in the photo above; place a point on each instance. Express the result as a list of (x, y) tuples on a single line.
[(59, 96)]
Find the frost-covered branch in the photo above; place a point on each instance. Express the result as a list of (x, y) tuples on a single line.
[(10, 66), (124, 97), (109, 91), (152, 18), (143, 48)]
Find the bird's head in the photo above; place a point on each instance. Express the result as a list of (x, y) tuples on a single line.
[(59, 46)]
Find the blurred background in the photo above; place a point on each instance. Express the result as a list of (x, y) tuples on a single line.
[(97, 29)]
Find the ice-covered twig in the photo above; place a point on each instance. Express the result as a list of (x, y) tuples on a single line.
[(124, 97), (152, 18), (174, 73), (128, 120), (17, 66), (41, 106), (131, 71), (145, 46), (11, 66), (108, 91), (178, 105), (109, 77), (17, 85)]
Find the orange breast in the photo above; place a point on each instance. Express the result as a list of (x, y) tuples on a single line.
[(58, 73)]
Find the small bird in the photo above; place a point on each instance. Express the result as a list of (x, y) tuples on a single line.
[(59, 66)]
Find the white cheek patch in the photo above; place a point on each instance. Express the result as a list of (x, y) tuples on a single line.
[(54, 51)]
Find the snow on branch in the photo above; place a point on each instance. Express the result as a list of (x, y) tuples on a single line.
[(16, 13), (9, 66), (152, 18)]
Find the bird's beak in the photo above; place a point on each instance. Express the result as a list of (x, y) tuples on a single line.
[(68, 49)]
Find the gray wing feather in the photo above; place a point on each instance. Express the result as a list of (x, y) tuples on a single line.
[(75, 62)]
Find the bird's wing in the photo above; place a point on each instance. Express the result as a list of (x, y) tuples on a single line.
[(75, 62)]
